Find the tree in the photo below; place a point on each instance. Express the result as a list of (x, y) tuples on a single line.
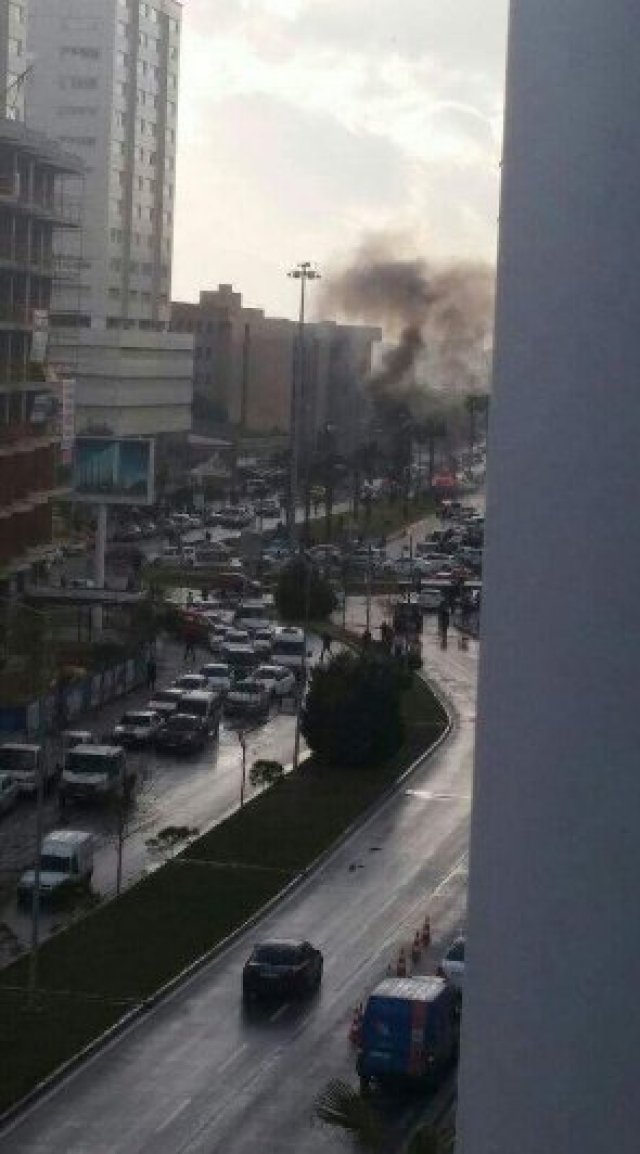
[(264, 773), (431, 430), (303, 594), (341, 1106), (352, 715)]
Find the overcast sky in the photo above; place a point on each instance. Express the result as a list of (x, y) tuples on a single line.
[(308, 124)]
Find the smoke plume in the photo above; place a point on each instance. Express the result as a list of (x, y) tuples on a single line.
[(440, 317)]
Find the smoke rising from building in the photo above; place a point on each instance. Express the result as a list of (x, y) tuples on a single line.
[(440, 317)]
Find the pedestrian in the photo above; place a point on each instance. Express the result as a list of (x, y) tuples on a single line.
[(152, 673), (443, 623), (326, 646), (190, 650)]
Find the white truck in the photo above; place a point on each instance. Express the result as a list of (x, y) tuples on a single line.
[(26, 763), (66, 858), (96, 773)]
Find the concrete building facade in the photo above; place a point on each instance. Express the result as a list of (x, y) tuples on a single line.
[(244, 365), (105, 84), (33, 210), (551, 1025), (131, 382), (13, 58)]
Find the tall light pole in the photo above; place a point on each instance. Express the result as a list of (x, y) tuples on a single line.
[(303, 272)]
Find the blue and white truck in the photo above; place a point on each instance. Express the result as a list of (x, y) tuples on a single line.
[(410, 1033)]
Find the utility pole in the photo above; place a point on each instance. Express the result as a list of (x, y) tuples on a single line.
[(303, 678), (303, 272), (35, 906), (243, 745)]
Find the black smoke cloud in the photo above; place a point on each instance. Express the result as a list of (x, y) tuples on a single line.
[(440, 317)]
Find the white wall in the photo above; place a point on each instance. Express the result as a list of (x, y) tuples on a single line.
[(551, 1018)]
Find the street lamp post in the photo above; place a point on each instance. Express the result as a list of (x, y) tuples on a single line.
[(303, 272), (243, 745)]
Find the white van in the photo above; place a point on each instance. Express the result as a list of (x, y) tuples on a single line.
[(95, 773), (66, 856), (290, 649), (25, 763)]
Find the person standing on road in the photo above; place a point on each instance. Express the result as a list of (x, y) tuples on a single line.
[(326, 646), (190, 650), (443, 623), (152, 673)]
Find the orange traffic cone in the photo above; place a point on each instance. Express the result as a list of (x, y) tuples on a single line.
[(401, 968), (426, 932), (416, 948)]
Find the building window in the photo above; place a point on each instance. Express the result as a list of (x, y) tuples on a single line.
[(83, 83), (115, 264)]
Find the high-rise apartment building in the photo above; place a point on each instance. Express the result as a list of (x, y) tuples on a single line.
[(104, 83), (13, 57)]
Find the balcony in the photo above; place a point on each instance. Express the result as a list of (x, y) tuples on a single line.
[(64, 212)]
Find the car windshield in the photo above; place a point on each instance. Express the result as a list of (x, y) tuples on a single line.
[(15, 760), (168, 695), (190, 681), (180, 723), (277, 955), (456, 952), (289, 648), (136, 719), (247, 687), (51, 863), (197, 708), (215, 671), (86, 763)]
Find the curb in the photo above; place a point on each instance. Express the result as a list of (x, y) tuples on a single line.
[(163, 995)]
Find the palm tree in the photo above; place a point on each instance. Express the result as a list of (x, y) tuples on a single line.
[(340, 1105), (431, 430)]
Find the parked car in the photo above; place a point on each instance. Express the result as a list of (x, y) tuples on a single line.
[(205, 705), (235, 636), (137, 727), (26, 764), (267, 507), (181, 733), (66, 857), (166, 702), (187, 682), (9, 792), (247, 698), (218, 676), (276, 679), (281, 968), (452, 965)]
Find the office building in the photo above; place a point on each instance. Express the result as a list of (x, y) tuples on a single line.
[(244, 366), (34, 209), (551, 1027)]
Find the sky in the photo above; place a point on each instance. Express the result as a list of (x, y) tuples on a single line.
[(307, 126)]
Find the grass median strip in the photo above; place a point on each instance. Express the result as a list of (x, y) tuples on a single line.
[(119, 955)]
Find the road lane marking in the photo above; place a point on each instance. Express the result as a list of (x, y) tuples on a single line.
[(280, 1012), (428, 795), (180, 1108), (232, 1057)]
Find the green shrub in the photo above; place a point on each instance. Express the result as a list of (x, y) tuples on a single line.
[(353, 714)]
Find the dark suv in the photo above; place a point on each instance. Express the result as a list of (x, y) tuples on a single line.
[(281, 968), (181, 733)]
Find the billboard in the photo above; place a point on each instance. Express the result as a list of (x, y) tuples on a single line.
[(113, 471)]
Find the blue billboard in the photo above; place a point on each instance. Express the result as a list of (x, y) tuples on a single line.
[(114, 471)]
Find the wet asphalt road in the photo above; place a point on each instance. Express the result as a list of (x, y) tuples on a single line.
[(198, 1074)]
